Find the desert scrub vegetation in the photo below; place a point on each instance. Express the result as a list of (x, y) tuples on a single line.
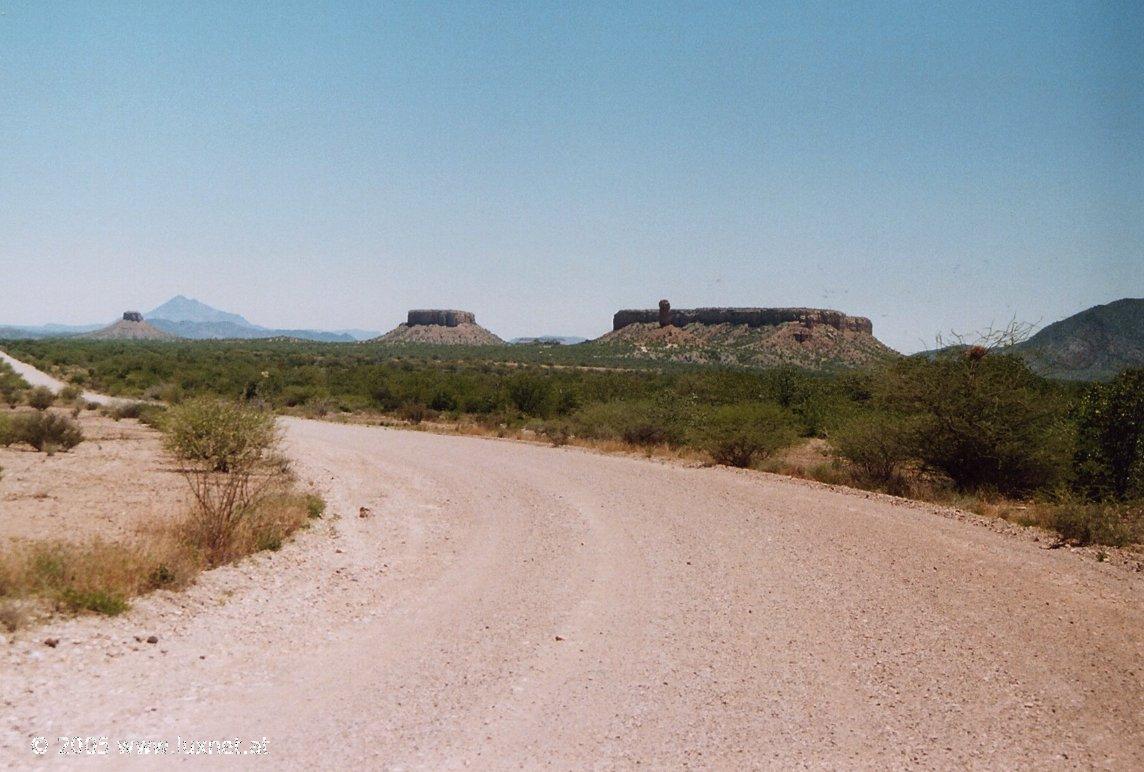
[(12, 386), (44, 431), (41, 397), (228, 455), (743, 434), (103, 576), (245, 501), (971, 423)]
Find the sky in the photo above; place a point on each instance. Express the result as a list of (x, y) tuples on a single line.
[(933, 166)]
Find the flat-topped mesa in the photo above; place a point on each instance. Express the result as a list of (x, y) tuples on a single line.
[(666, 316), (440, 317)]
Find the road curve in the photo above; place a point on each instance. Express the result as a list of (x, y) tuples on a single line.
[(506, 605)]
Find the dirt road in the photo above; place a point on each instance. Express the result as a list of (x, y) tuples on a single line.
[(507, 605), (35, 377)]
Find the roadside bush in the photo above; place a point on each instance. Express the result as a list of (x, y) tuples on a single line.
[(1109, 458), (876, 447), (531, 394), (413, 412), (740, 435), (7, 432), (220, 435), (12, 386), (642, 423), (230, 464), (1099, 523), (70, 393), (986, 421), (45, 431), (41, 398)]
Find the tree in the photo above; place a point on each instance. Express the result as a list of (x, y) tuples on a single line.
[(1109, 457)]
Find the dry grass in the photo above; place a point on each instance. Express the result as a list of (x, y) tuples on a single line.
[(102, 576)]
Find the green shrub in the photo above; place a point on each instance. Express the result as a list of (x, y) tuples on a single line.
[(46, 431), (742, 434), (41, 398), (643, 423), (876, 446), (70, 393), (218, 434), (230, 464), (531, 394), (1109, 458), (986, 422), (8, 433)]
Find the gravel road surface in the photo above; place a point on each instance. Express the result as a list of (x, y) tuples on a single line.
[(511, 605)]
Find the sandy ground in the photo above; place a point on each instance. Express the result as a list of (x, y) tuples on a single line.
[(511, 605), (115, 483)]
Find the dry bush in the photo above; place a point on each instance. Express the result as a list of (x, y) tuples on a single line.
[(1111, 524), (228, 452), (41, 398), (47, 431), (70, 393)]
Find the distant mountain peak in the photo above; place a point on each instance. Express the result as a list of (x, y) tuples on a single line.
[(184, 309)]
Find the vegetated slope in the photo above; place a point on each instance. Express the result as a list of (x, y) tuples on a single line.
[(821, 347), (1095, 344), (464, 334), (125, 329)]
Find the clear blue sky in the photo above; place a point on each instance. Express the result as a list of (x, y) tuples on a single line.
[(544, 164)]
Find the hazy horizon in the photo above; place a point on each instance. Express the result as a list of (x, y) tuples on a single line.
[(330, 166)]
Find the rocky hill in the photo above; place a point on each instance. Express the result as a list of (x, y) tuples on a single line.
[(814, 338), (130, 327), (1094, 344), (441, 327)]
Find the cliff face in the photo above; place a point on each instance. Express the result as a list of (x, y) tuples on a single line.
[(749, 317), (440, 317), (813, 338)]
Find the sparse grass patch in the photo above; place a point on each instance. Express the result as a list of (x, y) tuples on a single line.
[(101, 576), (1112, 525)]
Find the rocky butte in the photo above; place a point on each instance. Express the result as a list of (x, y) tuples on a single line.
[(441, 327), (443, 318), (666, 316), (810, 338)]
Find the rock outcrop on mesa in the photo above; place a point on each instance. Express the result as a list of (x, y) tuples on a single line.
[(443, 327), (815, 338), (131, 327), (751, 317)]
